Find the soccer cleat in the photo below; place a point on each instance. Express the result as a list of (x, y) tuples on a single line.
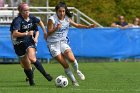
[(31, 82), (75, 84), (81, 76), (48, 77)]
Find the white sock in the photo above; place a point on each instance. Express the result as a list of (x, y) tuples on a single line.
[(70, 74), (75, 65)]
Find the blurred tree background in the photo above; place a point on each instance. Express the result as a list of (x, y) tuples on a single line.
[(103, 11)]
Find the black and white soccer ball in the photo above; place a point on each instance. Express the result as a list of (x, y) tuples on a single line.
[(61, 81)]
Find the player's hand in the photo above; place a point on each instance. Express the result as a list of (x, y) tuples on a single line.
[(30, 33), (59, 26)]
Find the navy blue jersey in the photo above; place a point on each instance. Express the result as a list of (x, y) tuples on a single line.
[(22, 25), (21, 44)]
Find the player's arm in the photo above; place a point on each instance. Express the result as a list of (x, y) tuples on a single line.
[(19, 34), (81, 25), (36, 34), (15, 27), (51, 28), (43, 28)]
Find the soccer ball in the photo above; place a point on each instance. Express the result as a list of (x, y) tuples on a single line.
[(61, 81)]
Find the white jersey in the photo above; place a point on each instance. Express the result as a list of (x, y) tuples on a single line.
[(61, 33)]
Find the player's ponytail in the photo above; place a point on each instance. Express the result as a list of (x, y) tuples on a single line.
[(68, 13)]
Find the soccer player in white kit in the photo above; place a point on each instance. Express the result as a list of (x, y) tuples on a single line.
[(58, 26)]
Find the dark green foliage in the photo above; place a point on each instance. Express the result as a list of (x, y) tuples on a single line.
[(102, 11)]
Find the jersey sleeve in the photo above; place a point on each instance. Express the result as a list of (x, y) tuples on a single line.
[(15, 25), (52, 18), (34, 28), (35, 19)]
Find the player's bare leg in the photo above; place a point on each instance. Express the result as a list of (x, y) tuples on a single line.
[(61, 59), (68, 53), (33, 68), (37, 64), (28, 69)]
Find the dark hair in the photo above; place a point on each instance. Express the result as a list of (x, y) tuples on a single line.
[(62, 4)]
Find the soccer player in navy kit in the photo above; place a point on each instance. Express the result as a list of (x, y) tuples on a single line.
[(24, 34)]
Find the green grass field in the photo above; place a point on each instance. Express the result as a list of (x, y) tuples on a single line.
[(105, 77)]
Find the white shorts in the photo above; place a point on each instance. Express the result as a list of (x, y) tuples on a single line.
[(57, 48)]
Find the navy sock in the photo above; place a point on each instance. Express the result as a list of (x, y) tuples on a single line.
[(29, 74), (39, 66)]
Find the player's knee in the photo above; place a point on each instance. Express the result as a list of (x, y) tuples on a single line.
[(69, 55), (32, 59), (67, 51)]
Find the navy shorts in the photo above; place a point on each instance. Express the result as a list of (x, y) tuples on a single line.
[(21, 48)]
